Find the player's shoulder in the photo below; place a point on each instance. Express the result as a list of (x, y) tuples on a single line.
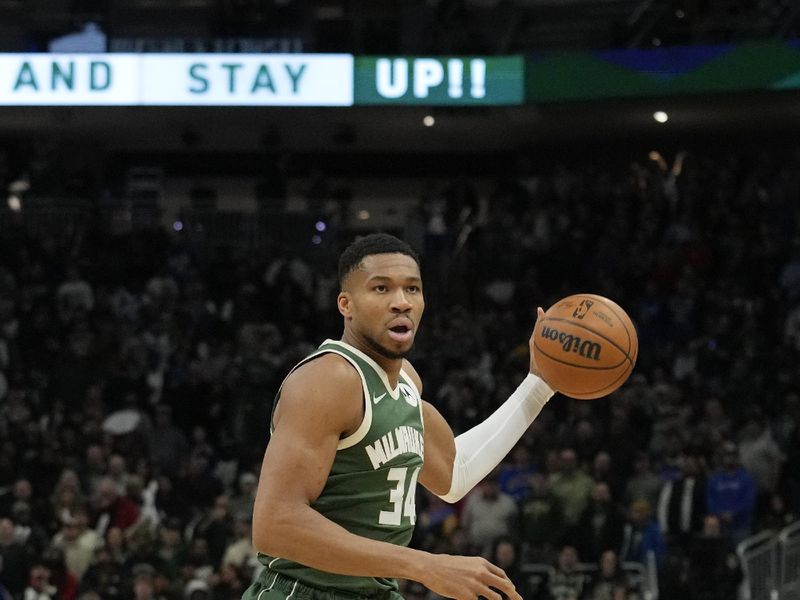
[(328, 371), (327, 388)]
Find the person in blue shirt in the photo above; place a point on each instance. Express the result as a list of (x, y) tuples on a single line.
[(641, 535), (515, 478), (731, 495)]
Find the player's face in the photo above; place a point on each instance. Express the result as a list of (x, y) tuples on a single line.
[(382, 304)]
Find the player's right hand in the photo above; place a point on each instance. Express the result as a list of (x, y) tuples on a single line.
[(534, 368), (467, 578)]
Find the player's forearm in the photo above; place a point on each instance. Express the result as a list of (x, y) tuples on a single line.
[(303, 535), (481, 449)]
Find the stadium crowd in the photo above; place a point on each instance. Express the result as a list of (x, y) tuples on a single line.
[(137, 375)]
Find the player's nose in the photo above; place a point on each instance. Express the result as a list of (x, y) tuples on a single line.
[(401, 302)]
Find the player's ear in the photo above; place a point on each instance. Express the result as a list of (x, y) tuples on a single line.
[(344, 303)]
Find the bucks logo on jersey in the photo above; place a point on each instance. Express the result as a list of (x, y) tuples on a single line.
[(371, 488)]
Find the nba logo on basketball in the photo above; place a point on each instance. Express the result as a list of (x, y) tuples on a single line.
[(582, 309)]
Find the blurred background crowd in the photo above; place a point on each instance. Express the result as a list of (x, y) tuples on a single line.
[(161, 270), (137, 372)]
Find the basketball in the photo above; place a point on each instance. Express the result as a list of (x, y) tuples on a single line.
[(585, 346)]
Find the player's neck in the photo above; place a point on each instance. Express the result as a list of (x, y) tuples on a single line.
[(391, 366)]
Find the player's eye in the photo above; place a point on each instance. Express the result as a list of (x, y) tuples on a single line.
[(413, 289), (381, 289)]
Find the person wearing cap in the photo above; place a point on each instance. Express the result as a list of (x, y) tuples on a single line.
[(731, 494)]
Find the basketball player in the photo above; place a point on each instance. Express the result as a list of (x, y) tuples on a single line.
[(351, 438)]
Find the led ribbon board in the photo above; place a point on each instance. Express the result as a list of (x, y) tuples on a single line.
[(439, 80), (176, 79)]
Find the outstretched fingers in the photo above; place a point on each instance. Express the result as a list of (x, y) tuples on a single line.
[(498, 581)]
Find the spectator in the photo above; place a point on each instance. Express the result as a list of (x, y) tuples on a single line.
[(144, 582), (116, 545), (714, 426), (118, 473), (515, 478), (59, 575), (436, 521), (217, 528), (564, 582), (74, 296), (104, 576), (731, 495), (94, 466), (571, 486), (28, 531), (644, 484), (171, 549), (760, 456), (77, 541), (229, 584), (241, 505), (609, 578), (199, 486), (21, 491), (713, 567), (682, 501), (488, 513), (505, 554), (168, 444), (15, 561), (140, 548), (39, 586), (240, 553), (604, 470), (600, 526), (542, 519), (641, 535), (776, 514), (67, 497), (111, 507)]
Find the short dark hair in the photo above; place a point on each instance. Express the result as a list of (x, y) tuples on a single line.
[(374, 243)]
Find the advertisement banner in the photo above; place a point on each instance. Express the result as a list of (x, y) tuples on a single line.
[(176, 79), (440, 80), (69, 79), (247, 79)]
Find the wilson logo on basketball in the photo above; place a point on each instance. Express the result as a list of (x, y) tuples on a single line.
[(572, 343)]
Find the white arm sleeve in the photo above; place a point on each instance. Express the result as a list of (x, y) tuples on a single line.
[(481, 449)]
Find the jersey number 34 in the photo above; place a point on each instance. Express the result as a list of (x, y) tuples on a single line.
[(401, 497)]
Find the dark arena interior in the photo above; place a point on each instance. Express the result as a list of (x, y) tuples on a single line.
[(178, 181)]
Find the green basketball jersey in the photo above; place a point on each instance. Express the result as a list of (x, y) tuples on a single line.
[(370, 489)]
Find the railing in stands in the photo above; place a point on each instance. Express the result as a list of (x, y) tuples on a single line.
[(789, 572), (771, 565), (642, 579)]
